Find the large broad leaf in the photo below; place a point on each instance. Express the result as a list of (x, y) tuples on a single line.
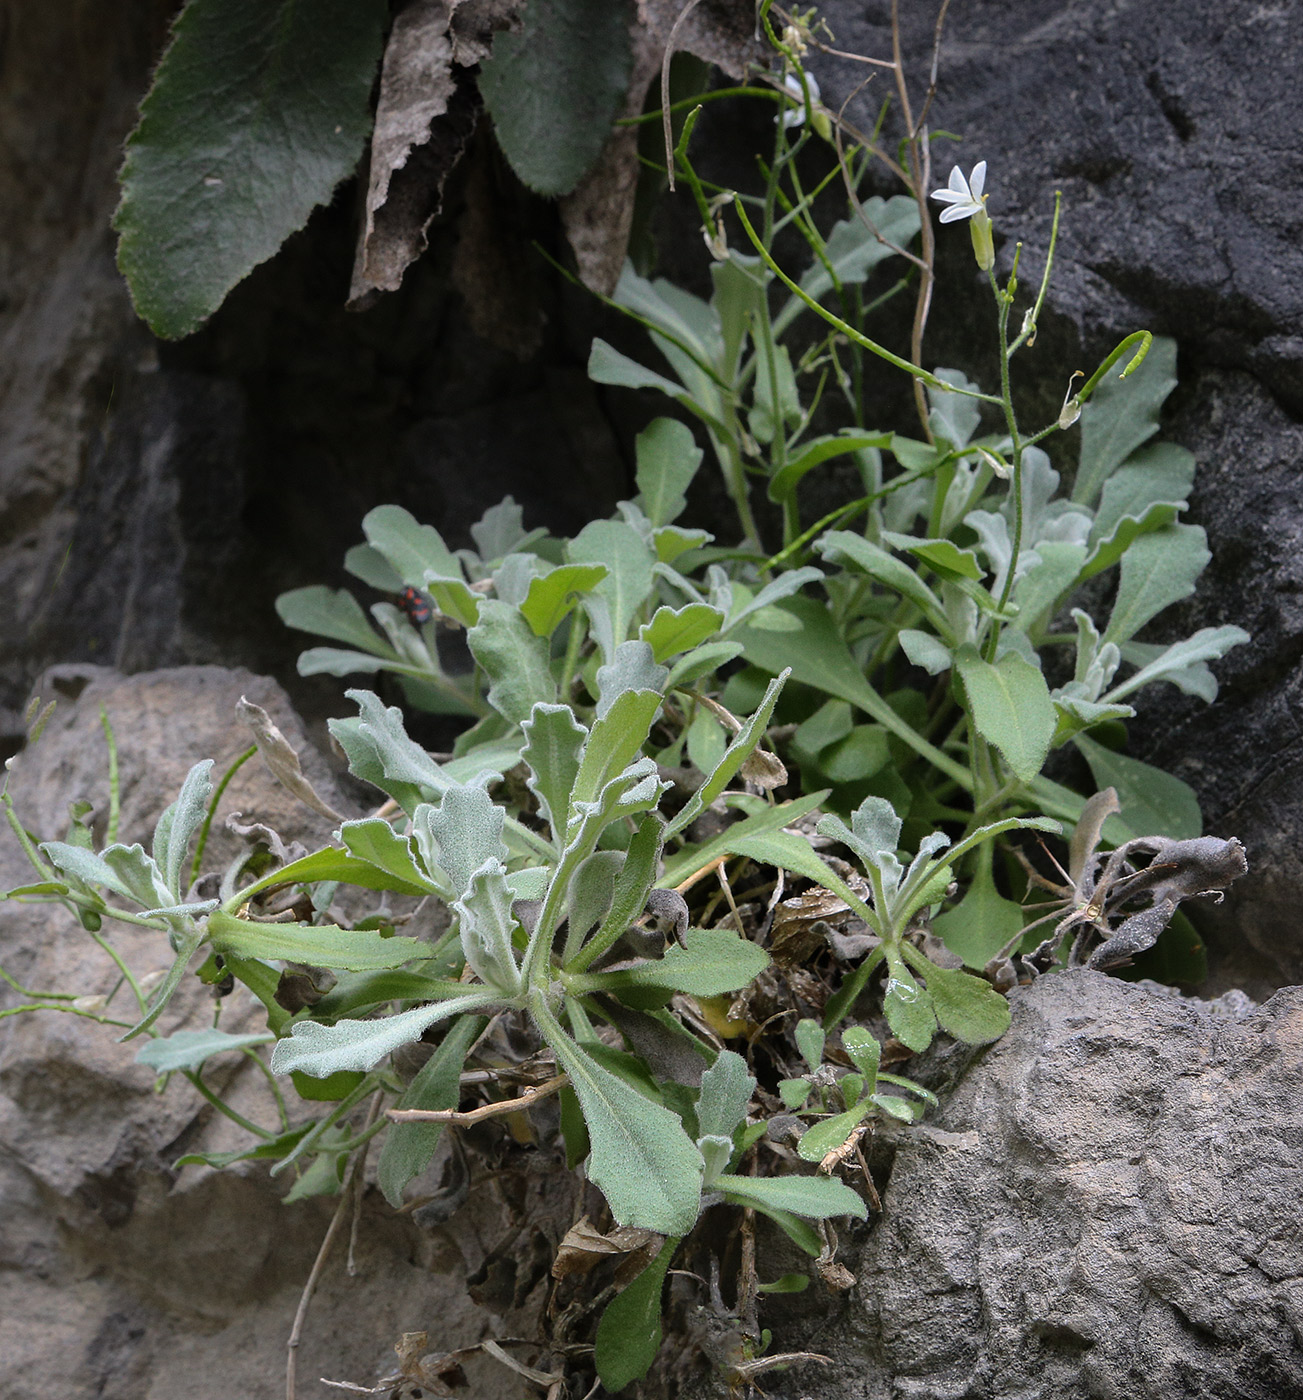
[(641, 1159), (1121, 415), (629, 1334), (1011, 708), (1156, 571), (554, 86), (1154, 803), (358, 950), (410, 1146), (258, 110)]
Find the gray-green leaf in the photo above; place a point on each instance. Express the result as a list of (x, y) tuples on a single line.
[(1011, 707)]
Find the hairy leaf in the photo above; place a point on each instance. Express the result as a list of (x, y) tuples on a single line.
[(554, 88), (189, 1049), (1011, 708), (325, 945), (258, 109), (322, 1050), (641, 1159)]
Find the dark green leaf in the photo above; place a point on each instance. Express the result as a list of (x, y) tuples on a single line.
[(629, 1334), (554, 87), (409, 1147), (258, 110)]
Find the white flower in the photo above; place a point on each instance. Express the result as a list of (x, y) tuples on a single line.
[(795, 116), (964, 196)]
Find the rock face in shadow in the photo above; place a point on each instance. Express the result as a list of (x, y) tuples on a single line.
[(1106, 1205), (1170, 130)]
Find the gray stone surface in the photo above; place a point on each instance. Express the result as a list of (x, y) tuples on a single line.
[(123, 1278), (1107, 1205)]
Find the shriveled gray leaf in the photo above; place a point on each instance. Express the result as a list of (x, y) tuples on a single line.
[(279, 755)]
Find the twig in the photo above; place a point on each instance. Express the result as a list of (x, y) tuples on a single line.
[(457, 1119), (318, 1264)]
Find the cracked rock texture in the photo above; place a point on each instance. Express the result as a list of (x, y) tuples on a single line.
[(1107, 1205)]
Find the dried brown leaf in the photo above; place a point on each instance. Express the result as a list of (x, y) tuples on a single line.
[(598, 215), (425, 117), (279, 756), (585, 1246)]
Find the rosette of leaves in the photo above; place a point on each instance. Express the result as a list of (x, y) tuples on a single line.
[(536, 915), (859, 1091), (537, 612)]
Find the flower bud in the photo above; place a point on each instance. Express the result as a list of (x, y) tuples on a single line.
[(979, 229)]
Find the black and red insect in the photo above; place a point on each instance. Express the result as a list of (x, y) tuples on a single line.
[(416, 605)]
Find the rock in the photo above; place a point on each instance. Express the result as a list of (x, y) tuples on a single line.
[(122, 1277), (1169, 133), (1107, 1205)]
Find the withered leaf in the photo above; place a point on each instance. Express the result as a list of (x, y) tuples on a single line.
[(279, 756), (425, 117), (598, 215), (585, 1246)]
